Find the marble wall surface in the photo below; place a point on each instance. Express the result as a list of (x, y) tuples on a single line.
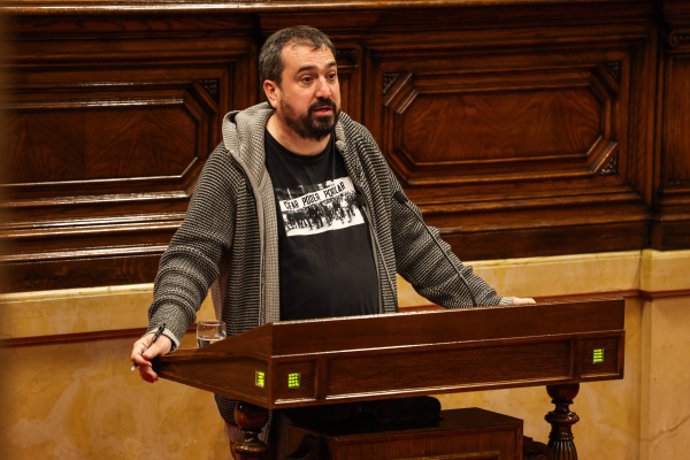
[(68, 392)]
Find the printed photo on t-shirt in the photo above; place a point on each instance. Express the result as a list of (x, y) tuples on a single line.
[(318, 208)]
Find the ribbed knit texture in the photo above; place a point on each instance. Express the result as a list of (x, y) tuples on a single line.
[(229, 236)]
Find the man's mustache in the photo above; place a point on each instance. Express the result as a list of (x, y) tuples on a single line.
[(321, 104)]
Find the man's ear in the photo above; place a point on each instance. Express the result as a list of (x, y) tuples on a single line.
[(271, 90)]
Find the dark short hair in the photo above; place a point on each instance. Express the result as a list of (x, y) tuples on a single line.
[(270, 63)]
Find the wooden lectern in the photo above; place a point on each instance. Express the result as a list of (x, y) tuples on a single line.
[(354, 359)]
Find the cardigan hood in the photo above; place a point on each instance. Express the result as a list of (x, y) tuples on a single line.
[(243, 137)]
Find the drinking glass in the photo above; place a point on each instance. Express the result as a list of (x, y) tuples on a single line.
[(208, 332)]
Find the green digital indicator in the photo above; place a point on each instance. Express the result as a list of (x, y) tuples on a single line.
[(294, 380), (260, 379), (598, 356)]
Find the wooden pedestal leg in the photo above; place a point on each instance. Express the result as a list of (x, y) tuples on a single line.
[(250, 419), (562, 419)]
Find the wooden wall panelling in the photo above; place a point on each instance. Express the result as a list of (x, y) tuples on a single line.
[(521, 128), (521, 147), (671, 222), (110, 121)]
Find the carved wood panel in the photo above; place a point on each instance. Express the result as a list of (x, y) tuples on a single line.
[(106, 138), (458, 125)]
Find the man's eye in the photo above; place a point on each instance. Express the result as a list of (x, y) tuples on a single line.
[(306, 79), (333, 76)]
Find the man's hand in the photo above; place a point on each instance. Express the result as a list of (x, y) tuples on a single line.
[(523, 301), (143, 351)]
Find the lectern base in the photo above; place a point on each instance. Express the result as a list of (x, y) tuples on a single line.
[(471, 433)]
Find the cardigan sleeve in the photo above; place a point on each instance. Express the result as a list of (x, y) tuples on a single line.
[(190, 263), (422, 263)]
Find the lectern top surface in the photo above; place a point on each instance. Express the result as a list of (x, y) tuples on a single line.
[(438, 326)]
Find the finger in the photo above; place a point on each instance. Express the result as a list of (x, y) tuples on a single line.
[(148, 374), (160, 347), (135, 356), (138, 349), (140, 362), (523, 301)]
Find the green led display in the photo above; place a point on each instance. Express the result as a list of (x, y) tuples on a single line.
[(260, 379), (294, 380), (598, 356)]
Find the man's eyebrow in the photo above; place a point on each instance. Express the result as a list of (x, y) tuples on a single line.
[(313, 67)]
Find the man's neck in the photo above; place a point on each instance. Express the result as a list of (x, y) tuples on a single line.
[(292, 141)]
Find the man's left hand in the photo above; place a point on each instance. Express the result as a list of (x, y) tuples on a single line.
[(523, 301)]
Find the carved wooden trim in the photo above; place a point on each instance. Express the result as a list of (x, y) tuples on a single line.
[(562, 419), (678, 39), (614, 69), (211, 86), (390, 79), (609, 166)]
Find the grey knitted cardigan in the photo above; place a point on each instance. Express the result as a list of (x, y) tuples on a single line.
[(229, 237)]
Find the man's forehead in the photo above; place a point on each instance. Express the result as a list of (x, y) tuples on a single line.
[(304, 49), (303, 43)]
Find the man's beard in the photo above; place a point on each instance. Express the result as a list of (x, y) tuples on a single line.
[(310, 126)]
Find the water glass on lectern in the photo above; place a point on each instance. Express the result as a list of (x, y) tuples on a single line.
[(208, 332)]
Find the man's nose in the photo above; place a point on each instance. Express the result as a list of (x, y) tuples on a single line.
[(323, 89)]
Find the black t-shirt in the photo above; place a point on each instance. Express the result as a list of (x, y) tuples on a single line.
[(326, 259)]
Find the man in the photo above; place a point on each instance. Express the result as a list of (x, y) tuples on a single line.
[(261, 225)]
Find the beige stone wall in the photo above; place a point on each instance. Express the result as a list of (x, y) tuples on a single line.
[(69, 394)]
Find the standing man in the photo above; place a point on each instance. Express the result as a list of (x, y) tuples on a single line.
[(260, 224)]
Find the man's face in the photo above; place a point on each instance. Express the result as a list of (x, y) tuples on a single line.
[(307, 100)]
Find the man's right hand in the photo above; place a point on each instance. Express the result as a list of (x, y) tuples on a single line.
[(143, 351)]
